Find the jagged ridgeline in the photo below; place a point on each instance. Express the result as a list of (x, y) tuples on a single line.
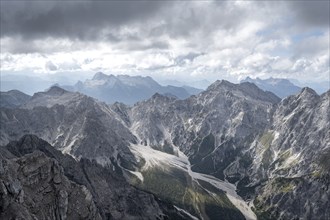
[(127, 89), (232, 151)]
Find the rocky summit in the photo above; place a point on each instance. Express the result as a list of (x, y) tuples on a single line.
[(233, 151)]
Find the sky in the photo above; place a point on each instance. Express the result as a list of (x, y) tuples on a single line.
[(174, 40)]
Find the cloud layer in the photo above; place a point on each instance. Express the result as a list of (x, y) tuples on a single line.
[(200, 39)]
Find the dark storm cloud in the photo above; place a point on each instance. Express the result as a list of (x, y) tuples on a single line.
[(312, 13), (95, 20), (83, 20), (154, 23)]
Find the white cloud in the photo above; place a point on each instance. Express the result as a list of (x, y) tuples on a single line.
[(233, 40)]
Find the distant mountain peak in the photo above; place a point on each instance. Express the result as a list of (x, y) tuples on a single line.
[(279, 86), (159, 96), (221, 83), (126, 88), (100, 76), (249, 84), (55, 90), (246, 89), (13, 98)]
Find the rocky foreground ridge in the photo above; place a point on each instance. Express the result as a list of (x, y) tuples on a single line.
[(39, 182)]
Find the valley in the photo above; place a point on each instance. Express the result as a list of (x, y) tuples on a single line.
[(179, 166)]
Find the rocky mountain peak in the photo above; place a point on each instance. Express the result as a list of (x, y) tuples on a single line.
[(245, 89), (307, 97), (221, 84), (26, 144), (254, 91), (15, 92), (55, 91), (308, 92), (100, 76), (326, 95), (157, 97), (13, 98)]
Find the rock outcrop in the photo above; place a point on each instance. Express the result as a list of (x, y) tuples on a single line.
[(39, 182)]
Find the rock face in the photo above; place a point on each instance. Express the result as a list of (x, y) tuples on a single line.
[(13, 98), (270, 148), (39, 182), (211, 128), (274, 150), (294, 151), (126, 89), (303, 197), (72, 122), (34, 186)]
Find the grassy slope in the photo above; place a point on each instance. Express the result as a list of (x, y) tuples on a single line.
[(176, 186)]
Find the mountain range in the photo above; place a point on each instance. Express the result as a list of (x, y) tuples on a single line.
[(127, 89), (281, 87), (13, 98), (233, 151)]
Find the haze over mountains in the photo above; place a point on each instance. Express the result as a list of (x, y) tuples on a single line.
[(127, 89), (131, 89), (84, 83), (211, 155), (281, 87)]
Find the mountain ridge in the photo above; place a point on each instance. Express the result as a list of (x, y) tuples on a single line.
[(13, 98), (281, 87), (126, 89), (239, 133)]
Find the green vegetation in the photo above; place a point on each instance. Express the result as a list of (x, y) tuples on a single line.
[(262, 211), (317, 174), (164, 184), (220, 196), (263, 204), (176, 186), (266, 140), (284, 185)]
